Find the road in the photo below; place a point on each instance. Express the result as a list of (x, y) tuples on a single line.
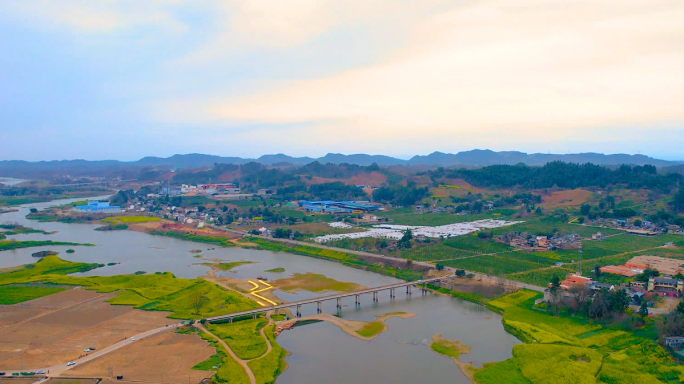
[(59, 369), (380, 257)]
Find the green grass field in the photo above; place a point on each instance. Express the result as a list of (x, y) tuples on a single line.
[(229, 371), (229, 266), (267, 368), (242, 337), (371, 329), (221, 241), (9, 245), (160, 292)]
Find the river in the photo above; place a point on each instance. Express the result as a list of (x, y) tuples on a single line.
[(320, 352)]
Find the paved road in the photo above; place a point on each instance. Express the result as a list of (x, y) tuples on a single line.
[(59, 369), (375, 255)]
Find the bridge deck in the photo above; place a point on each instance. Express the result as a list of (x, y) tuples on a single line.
[(319, 299)]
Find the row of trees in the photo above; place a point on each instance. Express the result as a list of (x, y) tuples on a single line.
[(567, 175), (398, 195)]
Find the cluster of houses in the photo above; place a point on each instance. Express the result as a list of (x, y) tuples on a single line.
[(646, 228), (528, 242)]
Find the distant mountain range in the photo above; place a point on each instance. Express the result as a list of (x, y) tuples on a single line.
[(471, 158)]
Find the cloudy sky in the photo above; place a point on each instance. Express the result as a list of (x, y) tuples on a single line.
[(125, 79)]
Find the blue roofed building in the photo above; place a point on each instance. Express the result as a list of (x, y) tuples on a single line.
[(338, 206), (98, 207)]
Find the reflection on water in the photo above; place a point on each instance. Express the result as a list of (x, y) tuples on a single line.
[(319, 352)]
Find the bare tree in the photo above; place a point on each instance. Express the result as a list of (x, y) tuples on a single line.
[(197, 301)]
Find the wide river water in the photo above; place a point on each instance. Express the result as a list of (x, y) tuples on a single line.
[(320, 352)]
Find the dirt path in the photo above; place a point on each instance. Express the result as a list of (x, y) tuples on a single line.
[(268, 342), (243, 363)]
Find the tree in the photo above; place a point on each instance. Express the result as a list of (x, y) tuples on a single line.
[(680, 307), (643, 310), (34, 210), (460, 272), (678, 201), (405, 241), (555, 282), (439, 267), (637, 223), (581, 219), (678, 276), (670, 325), (597, 271), (618, 300), (197, 301), (585, 209), (647, 274), (225, 208), (598, 307)]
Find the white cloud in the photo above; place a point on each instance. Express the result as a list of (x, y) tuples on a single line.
[(540, 69), (94, 16)]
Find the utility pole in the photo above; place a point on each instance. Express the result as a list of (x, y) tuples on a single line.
[(579, 267)]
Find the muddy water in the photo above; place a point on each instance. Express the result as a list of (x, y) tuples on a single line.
[(319, 352)]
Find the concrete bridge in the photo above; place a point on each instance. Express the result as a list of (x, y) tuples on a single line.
[(319, 300)]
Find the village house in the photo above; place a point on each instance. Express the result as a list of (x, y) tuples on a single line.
[(598, 236)]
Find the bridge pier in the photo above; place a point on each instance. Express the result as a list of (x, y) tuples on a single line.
[(254, 316), (299, 311), (391, 293), (358, 302), (319, 307), (375, 296), (408, 289), (339, 303)]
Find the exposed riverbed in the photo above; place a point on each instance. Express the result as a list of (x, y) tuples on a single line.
[(320, 352)]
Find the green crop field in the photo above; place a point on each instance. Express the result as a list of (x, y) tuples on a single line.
[(129, 219), (561, 349), (434, 252), (13, 294), (474, 243), (242, 337)]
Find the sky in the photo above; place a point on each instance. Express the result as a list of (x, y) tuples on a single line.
[(127, 79)]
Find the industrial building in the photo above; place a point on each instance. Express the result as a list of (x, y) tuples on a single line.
[(98, 207), (338, 206)]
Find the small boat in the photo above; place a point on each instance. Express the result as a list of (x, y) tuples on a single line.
[(261, 278)]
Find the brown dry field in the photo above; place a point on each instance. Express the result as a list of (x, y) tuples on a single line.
[(157, 226), (573, 197), (12, 314), (9, 380), (57, 380), (57, 328), (169, 354), (373, 179)]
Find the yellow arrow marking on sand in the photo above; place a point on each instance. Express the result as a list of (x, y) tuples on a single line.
[(256, 286)]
